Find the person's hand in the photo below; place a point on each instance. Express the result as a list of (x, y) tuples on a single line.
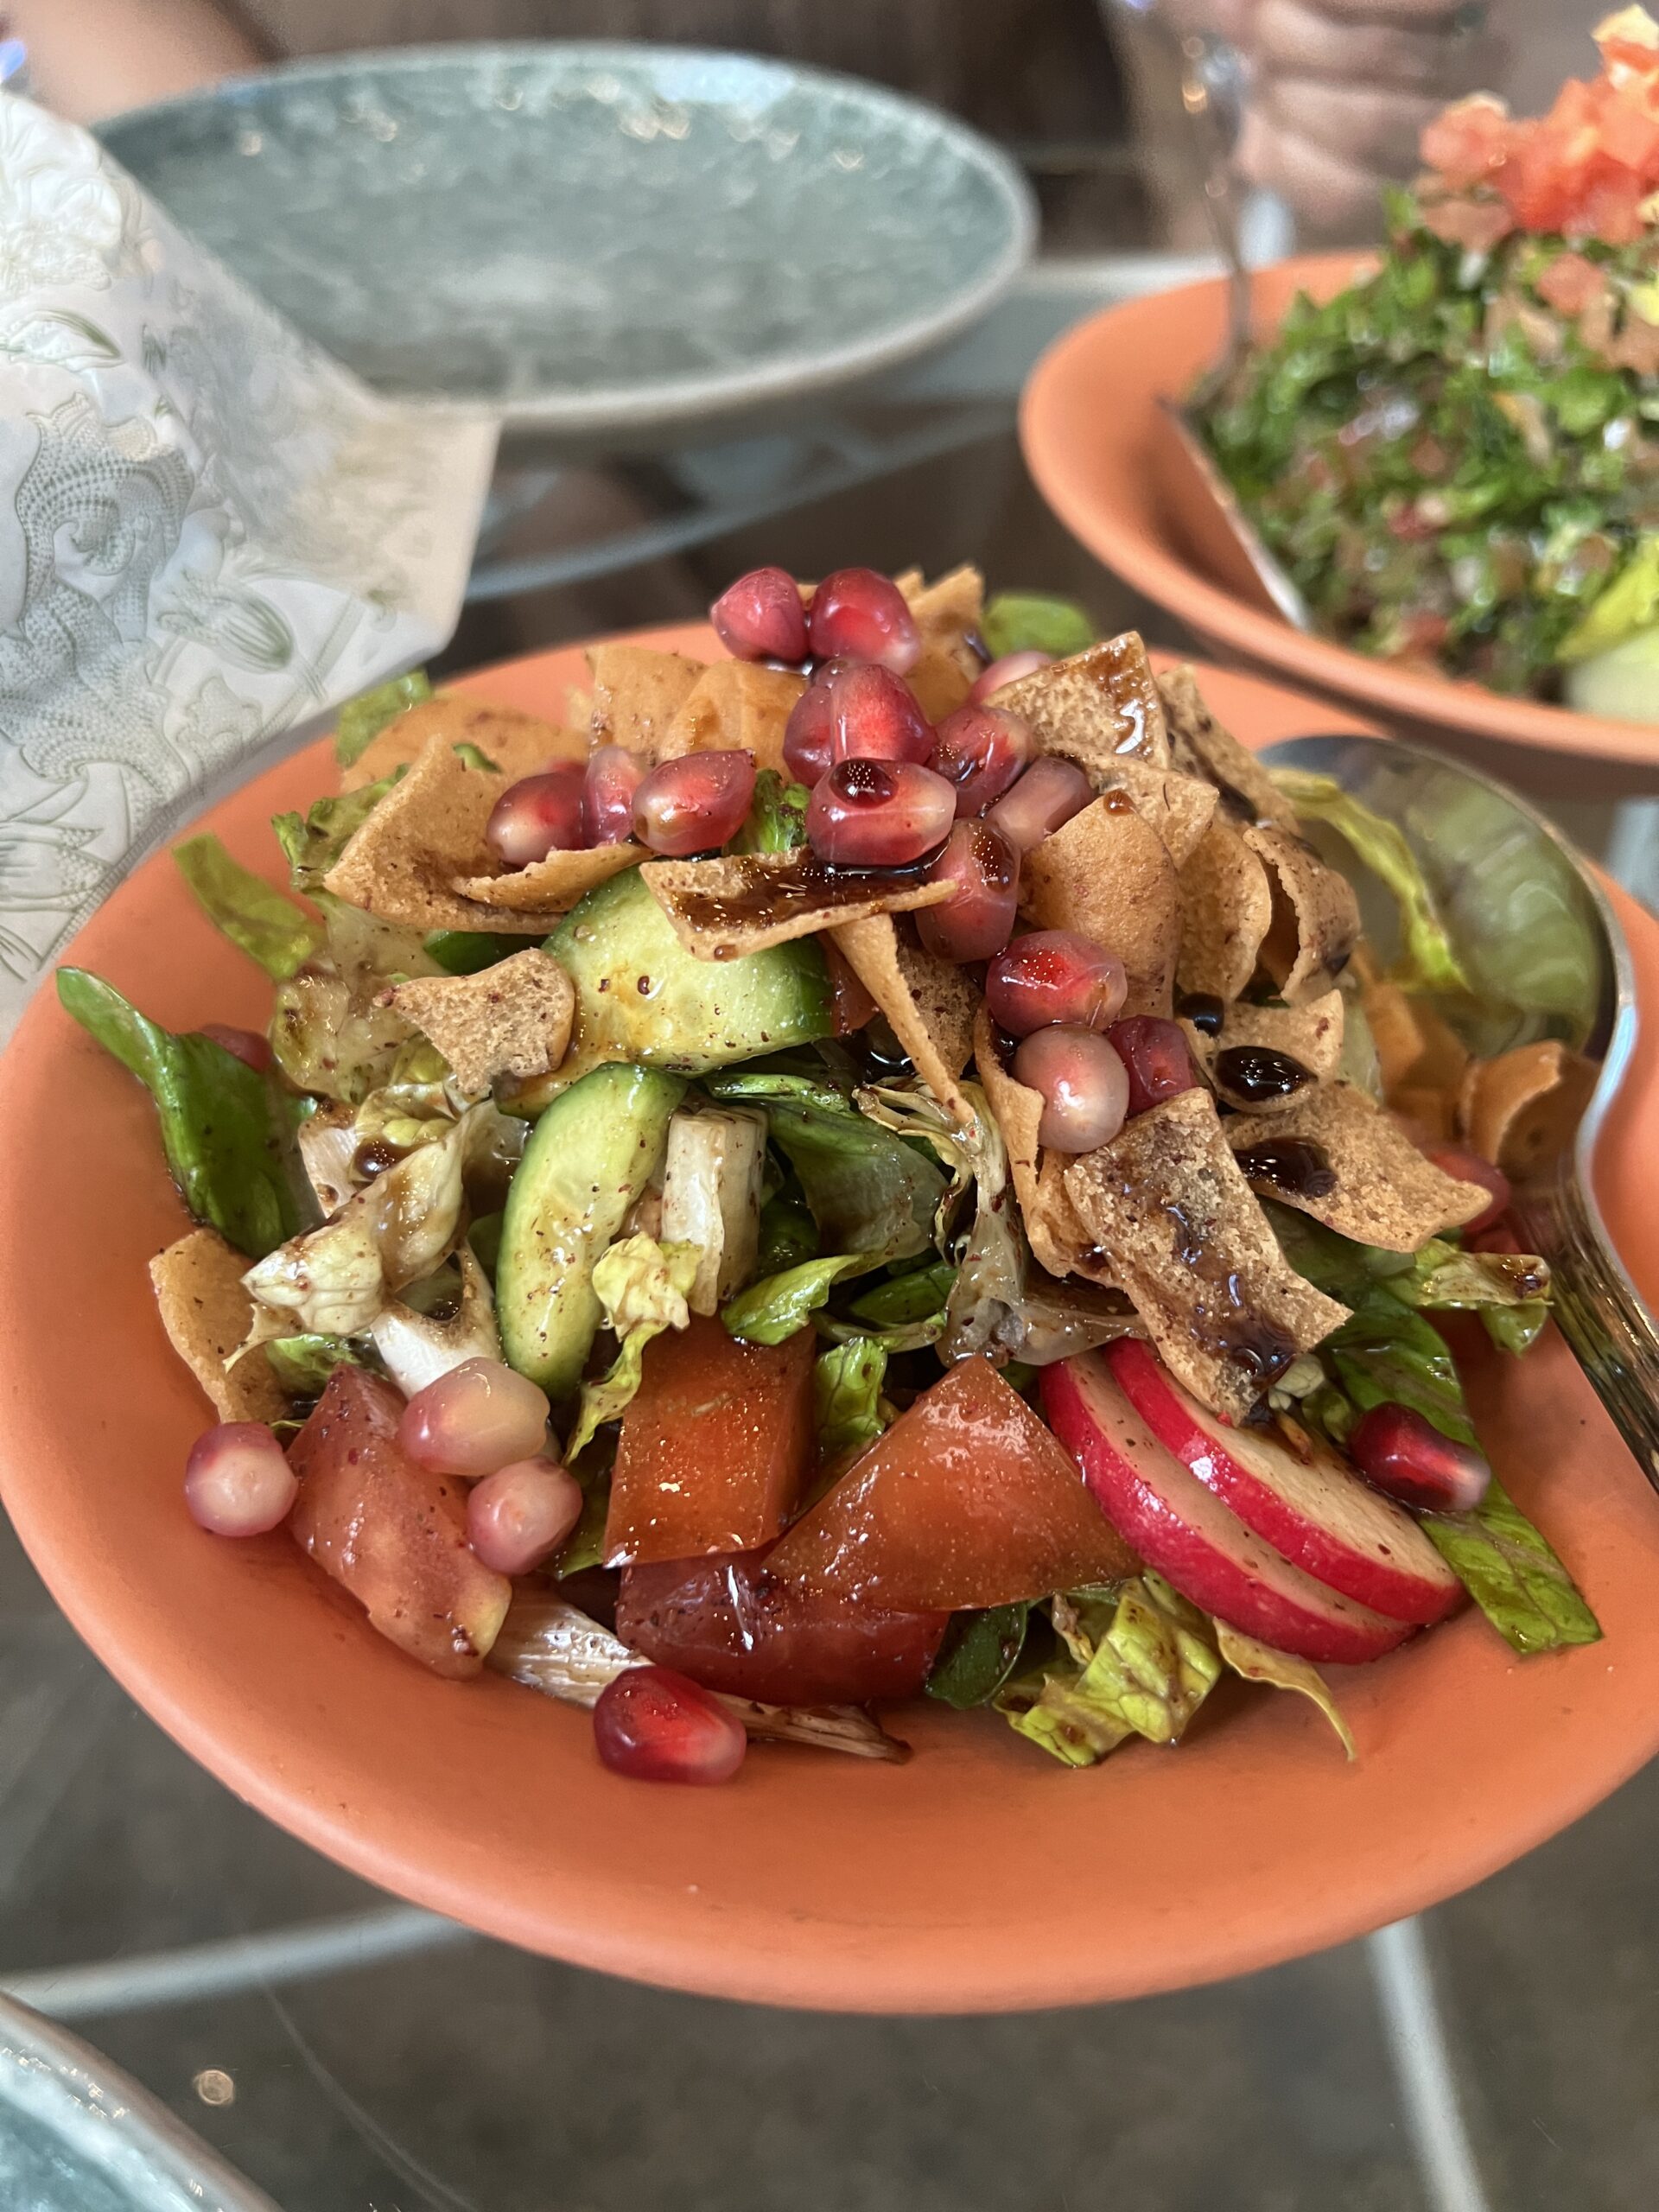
[(1339, 91)]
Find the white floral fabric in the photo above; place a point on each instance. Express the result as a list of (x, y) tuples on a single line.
[(210, 533)]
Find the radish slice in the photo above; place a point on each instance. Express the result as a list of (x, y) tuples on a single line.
[(1191, 1537), (1314, 1512)]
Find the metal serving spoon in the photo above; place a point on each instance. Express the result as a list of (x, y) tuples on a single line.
[(1546, 958), (1216, 529)]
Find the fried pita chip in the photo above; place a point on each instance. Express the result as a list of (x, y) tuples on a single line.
[(402, 864), (1179, 808), (1166, 1202), (1310, 1035), (1416, 1049), (207, 1312), (548, 888), (1106, 875), (638, 690), (1053, 1229), (1199, 746), (1226, 912), (930, 1003), (1315, 921), (1365, 1177), (1522, 1110), (742, 902), (513, 1019), (1426, 1116), (735, 705), (947, 614), (1096, 708), (519, 745)]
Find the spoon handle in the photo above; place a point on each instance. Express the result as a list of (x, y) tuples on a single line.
[(1598, 1310)]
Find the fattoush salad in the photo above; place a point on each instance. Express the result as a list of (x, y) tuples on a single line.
[(1457, 458), (878, 1165)]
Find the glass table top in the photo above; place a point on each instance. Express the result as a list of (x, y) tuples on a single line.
[(350, 2053)]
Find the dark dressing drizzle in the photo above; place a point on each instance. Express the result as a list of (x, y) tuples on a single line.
[(1204, 1010), (1296, 1165), (1256, 1071), (1221, 1322)]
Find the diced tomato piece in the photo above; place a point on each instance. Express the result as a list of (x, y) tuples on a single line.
[(390, 1532), (716, 1447), (732, 1626), (967, 1501), (1571, 283), (1478, 224), (1468, 141), (1629, 131), (1610, 208)]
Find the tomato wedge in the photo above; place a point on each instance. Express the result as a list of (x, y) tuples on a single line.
[(390, 1532), (732, 1626), (967, 1501), (715, 1448)]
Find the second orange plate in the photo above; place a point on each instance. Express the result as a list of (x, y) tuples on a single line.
[(979, 1876)]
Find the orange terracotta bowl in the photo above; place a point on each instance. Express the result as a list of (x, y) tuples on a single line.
[(1088, 425), (980, 1875)]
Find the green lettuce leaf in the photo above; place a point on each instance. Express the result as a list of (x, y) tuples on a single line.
[(222, 1129), (1510, 1570), (475, 756), (1259, 1662), (329, 1028), (916, 1295), (788, 1232), (1138, 1660), (777, 1305), (585, 1546), (1630, 603), (869, 1191), (979, 1653), (311, 842), (777, 821), (365, 716), (1515, 1329), (265, 923), (1031, 621), (847, 1397), (303, 1364), (1428, 961), (642, 1286)]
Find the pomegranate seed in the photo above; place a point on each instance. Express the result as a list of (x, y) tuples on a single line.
[(537, 815), (761, 617), (1400, 1452), (238, 1481), (694, 803), (1154, 1052), (655, 1726), (981, 751), (1008, 669), (1050, 792), (519, 1515), (1054, 976), (879, 813), (478, 1417), (1086, 1087), (247, 1044), (873, 716), (985, 869), (863, 613), (612, 776), (806, 735), (1470, 1167)]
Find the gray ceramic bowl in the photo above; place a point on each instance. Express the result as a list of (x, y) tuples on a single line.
[(590, 237), (77, 2135)]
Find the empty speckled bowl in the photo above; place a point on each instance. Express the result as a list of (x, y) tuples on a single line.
[(77, 2135), (590, 237)]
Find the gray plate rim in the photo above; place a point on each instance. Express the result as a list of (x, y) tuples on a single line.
[(682, 399)]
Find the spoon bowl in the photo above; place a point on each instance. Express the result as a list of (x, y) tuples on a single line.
[(1547, 958)]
